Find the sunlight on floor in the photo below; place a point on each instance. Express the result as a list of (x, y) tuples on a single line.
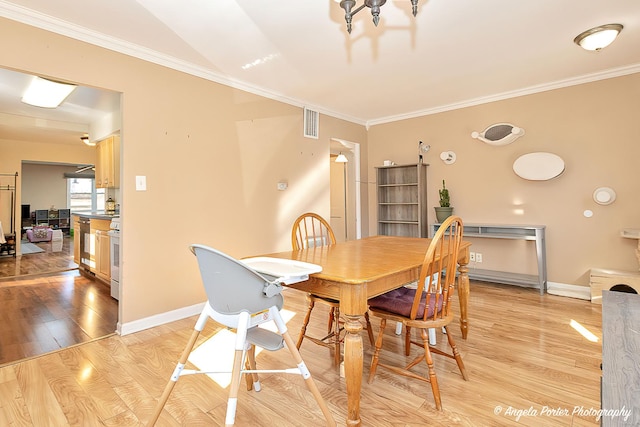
[(583, 331), (216, 354)]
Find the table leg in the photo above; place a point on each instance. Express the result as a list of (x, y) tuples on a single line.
[(353, 367), (463, 291)]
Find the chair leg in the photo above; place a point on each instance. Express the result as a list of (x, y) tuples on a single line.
[(369, 328), (456, 355), (376, 353), (432, 372), (432, 336), (307, 316), (330, 321), (253, 378), (336, 335), (232, 401), (174, 378), (311, 385), (407, 340)]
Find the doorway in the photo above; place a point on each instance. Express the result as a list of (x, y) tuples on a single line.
[(345, 190)]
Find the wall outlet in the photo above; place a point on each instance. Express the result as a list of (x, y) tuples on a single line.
[(472, 256), (478, 257)]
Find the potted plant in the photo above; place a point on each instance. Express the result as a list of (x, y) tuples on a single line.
[(444, 210)]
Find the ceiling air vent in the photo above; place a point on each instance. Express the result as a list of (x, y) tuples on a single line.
[(311, 123)]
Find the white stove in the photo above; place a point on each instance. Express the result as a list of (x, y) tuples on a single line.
[(114, 234)]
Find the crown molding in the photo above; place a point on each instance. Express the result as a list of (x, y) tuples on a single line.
[(58, 26), (559, 84), (64, 28)]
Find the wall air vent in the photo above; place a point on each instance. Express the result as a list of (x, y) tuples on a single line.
[(311, 123)]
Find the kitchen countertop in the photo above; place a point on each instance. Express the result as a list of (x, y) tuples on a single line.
[(96, 215)]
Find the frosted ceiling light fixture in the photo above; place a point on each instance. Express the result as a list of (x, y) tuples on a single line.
[(599, 37), (341, 158), (46, 93), (374, 5)]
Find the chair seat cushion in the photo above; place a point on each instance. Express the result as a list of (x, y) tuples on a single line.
[(399, 301)]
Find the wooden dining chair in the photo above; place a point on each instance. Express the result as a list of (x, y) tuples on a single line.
[(310, 230), (425, 307)]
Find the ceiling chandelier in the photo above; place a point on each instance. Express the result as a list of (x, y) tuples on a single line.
[(374, 5)]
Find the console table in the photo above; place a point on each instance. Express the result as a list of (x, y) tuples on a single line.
[(518, 232)]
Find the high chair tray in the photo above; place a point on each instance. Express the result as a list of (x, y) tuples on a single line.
[(287, 271)]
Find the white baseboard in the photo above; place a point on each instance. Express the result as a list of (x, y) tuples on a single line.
[(567, 290), (553, 288), (159, 319)]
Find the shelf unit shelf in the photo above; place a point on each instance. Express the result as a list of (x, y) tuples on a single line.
[(56, 219), (402, 200)]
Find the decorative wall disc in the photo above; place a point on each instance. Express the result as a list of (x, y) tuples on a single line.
[(538, 166), (604, 196)]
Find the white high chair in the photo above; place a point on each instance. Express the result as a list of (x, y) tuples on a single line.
[(241, 298)]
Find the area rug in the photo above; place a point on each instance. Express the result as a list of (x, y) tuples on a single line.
[(30, 248)]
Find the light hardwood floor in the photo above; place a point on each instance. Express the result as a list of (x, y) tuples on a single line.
[(521, 355), (50, 260), (47, 305)]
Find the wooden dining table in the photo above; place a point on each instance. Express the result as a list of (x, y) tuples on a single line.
[(356, 270)]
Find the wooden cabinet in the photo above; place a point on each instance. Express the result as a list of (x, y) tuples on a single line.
[(108, 163), (402, 200), (76, 239), (101, 255)]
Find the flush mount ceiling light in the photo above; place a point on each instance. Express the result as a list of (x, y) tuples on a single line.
[(599, 37), (46, 93), (374, 5), (341, 158)]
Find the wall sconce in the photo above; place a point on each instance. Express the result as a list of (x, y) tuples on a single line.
[(448, 157)]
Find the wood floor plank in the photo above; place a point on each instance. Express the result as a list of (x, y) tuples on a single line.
[(13, 409), (40, 400), (79, 407)]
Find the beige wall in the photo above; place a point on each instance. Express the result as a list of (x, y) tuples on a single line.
[(212, 156), (593, 127), (44, 186)]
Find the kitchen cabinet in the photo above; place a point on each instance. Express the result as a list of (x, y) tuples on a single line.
[(100, 249), (402, 200), (103, 256), (108, 162), (76, 239)]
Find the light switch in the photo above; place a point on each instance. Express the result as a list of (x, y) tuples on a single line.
[(141, 183)]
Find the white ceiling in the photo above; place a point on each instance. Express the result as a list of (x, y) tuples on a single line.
[(455, 53)]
